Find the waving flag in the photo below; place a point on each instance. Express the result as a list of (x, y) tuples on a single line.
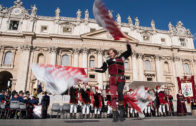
[(57, 79), (102, 17), (139, 99)]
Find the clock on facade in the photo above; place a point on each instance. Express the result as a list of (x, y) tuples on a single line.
[(16, 11)]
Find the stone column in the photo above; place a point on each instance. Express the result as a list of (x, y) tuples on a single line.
[(85, 59), (76, 57), (158, 68), (134, 67), (141, 67), (23, 70), (1, 55), (100, 62), (53, 52), (177, 71)]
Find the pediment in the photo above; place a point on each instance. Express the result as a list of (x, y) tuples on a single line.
[(104, 35)]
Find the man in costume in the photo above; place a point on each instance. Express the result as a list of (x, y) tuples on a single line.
[(85, 100), (73, 101), (115, 66)]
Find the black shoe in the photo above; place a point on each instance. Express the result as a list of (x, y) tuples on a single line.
[(115, 116), (121, 115)]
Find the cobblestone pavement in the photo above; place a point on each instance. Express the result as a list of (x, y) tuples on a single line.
[(158, 121)]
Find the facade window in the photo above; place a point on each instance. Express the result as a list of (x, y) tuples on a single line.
[(127, 77), (186, 68), (149, 79), (182, 42), (44, 28), (92, 62), (65, 60), (14, 25), (41, 59), (8, 58), (162, 39), (146, 37), (147, 65), (126, 65), (92, 29), (66, 29), (92, 76)]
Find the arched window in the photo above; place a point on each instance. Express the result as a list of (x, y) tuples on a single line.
[(166, 67), (92, 61), (8, 58), (147, 65), (186, 68), (126, 65), (40, 59), (65, 60)]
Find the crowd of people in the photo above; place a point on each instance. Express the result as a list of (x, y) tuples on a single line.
[(10, 103), (92, 103)]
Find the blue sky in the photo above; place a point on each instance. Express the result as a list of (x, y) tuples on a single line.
[(161, 11)]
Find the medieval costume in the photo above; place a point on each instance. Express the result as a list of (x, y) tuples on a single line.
[(170, 103), (181, 107), (97, 104), (117, 80), (73, 101), (109, 105), (85, 100), (162, 100)]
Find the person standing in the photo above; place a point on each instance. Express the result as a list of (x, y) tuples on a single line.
[(181, 107), (45, 103), (73, 101), (115, 66)]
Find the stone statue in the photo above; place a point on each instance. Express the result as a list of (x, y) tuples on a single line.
[(137, 22), (180, 24), (78, 14), (170, 26), (153, 24), (18, 3), (118, 18), (188, 32), (86, 15), (129, 20), (110, 13), (58, 11), (34, 10)]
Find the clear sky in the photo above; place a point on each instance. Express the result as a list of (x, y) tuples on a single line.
[(161, 11)]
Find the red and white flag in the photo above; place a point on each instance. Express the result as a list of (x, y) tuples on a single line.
[(139, 99), (57, 79), (102, 17)]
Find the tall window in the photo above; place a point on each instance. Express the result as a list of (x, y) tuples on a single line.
[(166, 67), (182, 41), (65, 60), (126, 65), (186, 68), (92, 61), (40, 59), (147, 65), (8, 58)]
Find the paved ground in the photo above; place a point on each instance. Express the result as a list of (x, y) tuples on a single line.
[(159, 121)]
